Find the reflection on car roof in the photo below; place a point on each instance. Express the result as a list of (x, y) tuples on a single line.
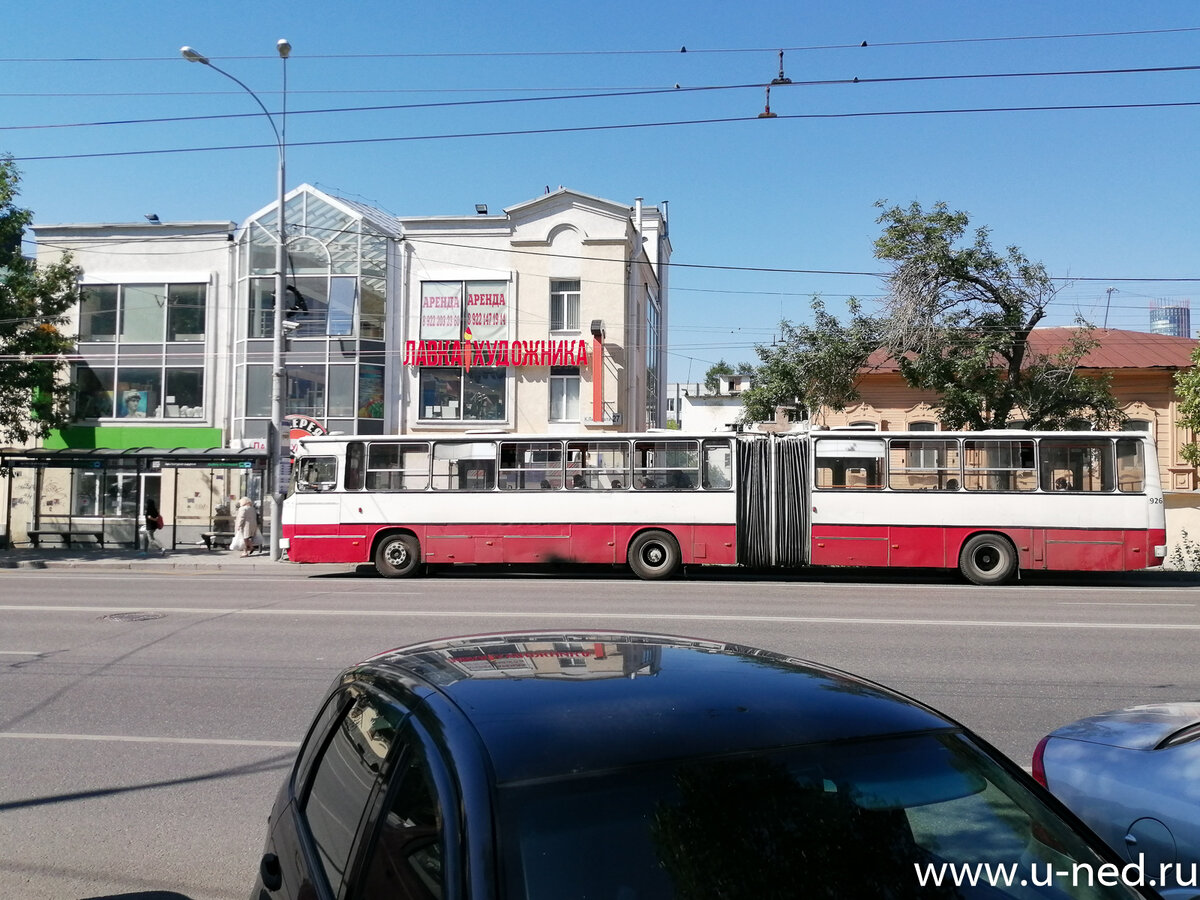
[(554, 704)]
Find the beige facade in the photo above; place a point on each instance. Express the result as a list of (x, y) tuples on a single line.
[(615, 255)]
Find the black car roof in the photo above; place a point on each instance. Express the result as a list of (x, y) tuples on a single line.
[(552, 704)]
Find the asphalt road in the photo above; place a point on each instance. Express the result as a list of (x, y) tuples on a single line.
[(146, 720)]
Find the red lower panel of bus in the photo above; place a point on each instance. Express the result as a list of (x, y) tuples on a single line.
[(1062, 549), (510, 543)]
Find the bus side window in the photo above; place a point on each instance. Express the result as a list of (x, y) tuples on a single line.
[(1078, 464), (316, 473), (849, 464), (354, 465), (718, 466), (1131, 467)]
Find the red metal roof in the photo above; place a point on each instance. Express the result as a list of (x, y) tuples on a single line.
[(1118, 349)]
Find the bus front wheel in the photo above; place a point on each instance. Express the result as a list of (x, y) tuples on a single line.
[(397, 556), (988, 559), (654, 555)]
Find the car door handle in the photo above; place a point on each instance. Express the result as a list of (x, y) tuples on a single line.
[(1130, 840), (271, 872)]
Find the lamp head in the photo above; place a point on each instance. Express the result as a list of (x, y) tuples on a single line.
[(192, 55), (283, 47)]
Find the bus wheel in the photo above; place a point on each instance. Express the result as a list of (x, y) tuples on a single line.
[(654, 555), (988, 559), (397, 556)]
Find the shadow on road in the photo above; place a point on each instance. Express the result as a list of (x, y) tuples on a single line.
[(143, 895), (1144, 578)]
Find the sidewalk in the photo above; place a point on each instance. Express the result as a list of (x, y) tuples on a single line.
[(184, 559)]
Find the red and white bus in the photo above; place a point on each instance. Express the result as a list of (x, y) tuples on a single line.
[(990, 503)]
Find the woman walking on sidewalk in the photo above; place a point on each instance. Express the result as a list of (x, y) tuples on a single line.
[(245, 527)]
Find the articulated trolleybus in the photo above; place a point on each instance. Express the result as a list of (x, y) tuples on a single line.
[(990, 503)]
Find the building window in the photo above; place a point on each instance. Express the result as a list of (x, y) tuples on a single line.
[(185, 312), (143, 381), (370, 392), (94, 391), (306, 387), (343, 299), (184, 397), (653, 340), (464, 395), (564, 305), (98, 313), (105, 493), (454, 310), (139, 392), (138, 313), (143, 311), (564, 394)]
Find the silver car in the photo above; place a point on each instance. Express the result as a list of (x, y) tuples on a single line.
[(1133, 775)]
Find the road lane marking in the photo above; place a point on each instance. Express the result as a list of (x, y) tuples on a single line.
[(138, 739), (20, 652), (1101, 603), (570, 615)]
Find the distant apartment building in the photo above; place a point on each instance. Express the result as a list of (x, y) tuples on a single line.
[(1171, 317)]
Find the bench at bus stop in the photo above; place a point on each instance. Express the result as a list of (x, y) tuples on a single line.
[(216, 539), (67, 536)]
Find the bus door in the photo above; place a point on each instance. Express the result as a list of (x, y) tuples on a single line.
[(772, 502)]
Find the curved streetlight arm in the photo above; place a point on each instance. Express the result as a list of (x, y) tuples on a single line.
[(196, 56)]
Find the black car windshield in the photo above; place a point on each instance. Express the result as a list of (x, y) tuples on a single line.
[(878, 818)]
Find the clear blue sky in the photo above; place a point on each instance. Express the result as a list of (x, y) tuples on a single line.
[(1095, 193)]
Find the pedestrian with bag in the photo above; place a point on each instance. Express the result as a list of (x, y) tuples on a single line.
[(245, 527), (151, 523)]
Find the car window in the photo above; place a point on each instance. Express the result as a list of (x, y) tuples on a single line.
[(314, 743), (344, 780), (878, 818), (407, 855)]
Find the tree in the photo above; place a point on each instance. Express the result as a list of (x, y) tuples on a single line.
[(957, 319), (1187, 389), (712, 377), (34, 305), (812, 366)]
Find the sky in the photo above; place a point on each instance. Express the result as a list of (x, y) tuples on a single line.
[(1069, 129)]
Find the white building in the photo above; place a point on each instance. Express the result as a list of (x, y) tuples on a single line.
[(696, 407), (551, 315)]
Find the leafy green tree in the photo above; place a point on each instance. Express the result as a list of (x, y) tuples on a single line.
[(34, 305), (812, 366), (957, 319), (1187, 389), (712, 378)]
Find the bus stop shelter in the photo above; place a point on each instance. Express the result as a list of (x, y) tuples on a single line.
[(99, 497)]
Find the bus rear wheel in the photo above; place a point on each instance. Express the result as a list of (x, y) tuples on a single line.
[(654, 555), (397, 556), (988, 559)]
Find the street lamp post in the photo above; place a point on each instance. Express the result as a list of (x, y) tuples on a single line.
[(275, 433)]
